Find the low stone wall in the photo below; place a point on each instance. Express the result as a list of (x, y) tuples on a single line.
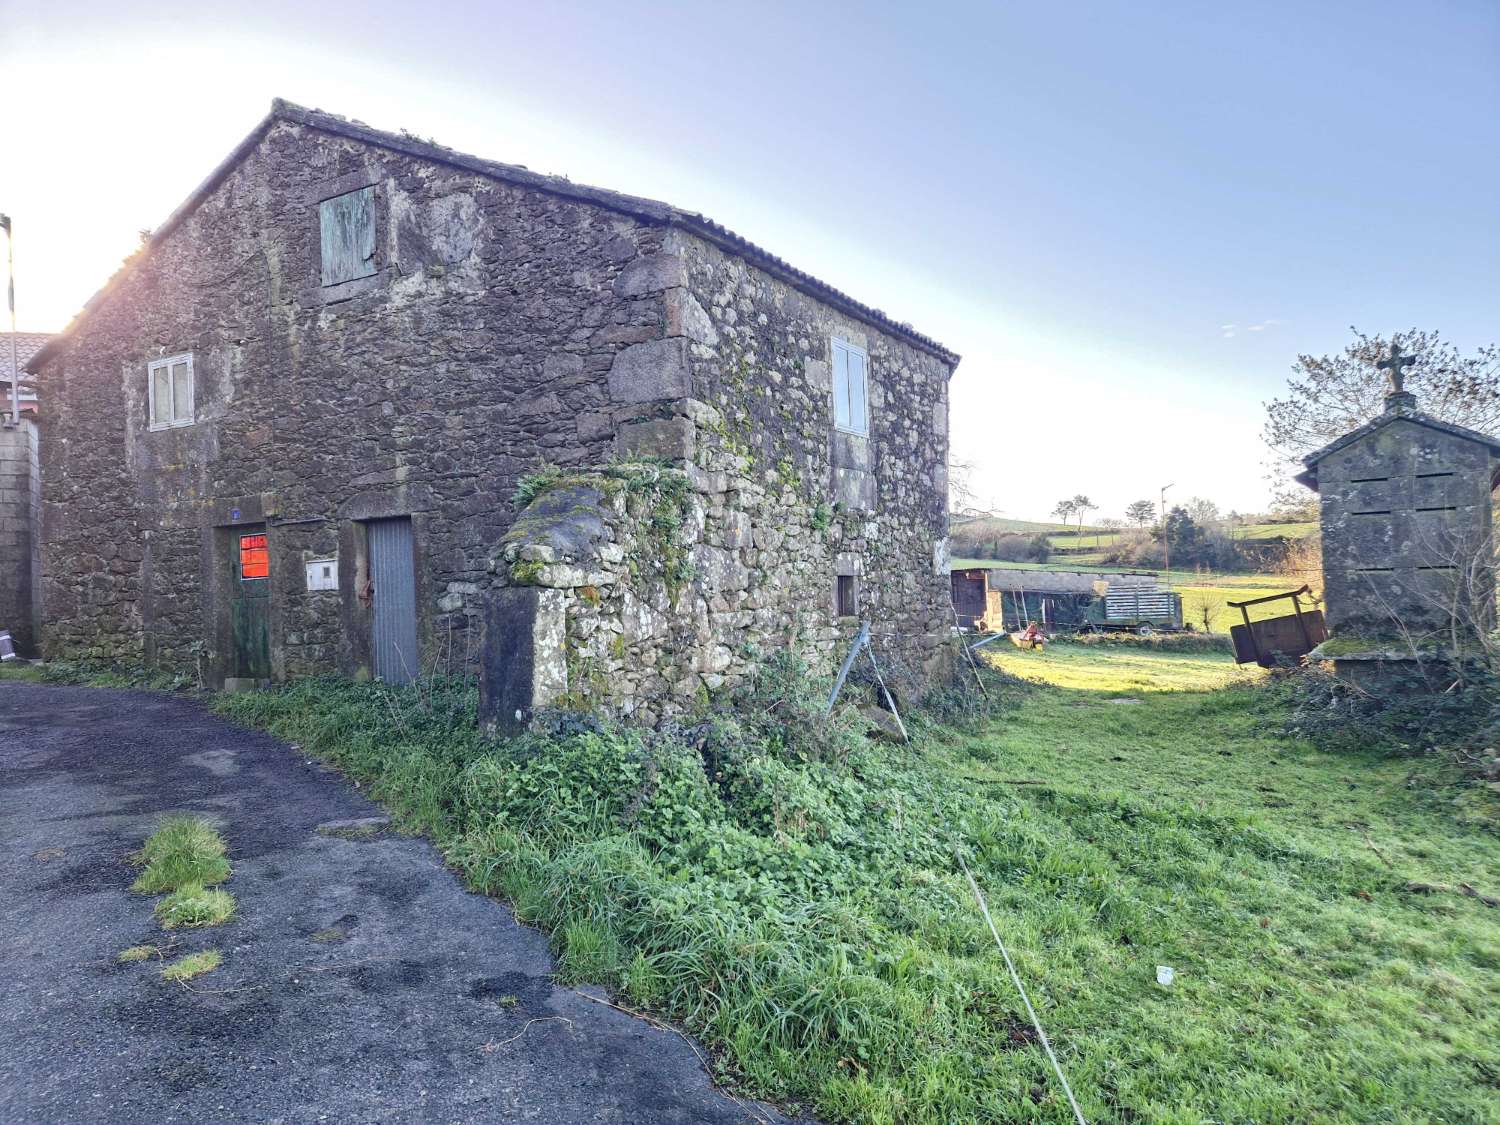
[(19, 539), (640, 590)]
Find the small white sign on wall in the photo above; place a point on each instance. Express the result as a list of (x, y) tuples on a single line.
[(323, 574)]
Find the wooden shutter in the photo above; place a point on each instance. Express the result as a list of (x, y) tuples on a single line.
[(348, 226)]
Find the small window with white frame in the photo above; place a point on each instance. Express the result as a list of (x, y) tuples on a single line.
[(170, 385), (851, 407)]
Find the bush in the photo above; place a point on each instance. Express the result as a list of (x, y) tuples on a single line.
[(1455, 709), (1159, 642)]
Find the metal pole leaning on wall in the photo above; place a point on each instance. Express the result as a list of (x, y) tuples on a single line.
[(860, 640), (879, 679)]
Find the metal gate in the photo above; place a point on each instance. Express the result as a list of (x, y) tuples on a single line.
[(394, 631)]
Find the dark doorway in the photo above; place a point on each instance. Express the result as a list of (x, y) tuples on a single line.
[(250, 604), (393, 634)]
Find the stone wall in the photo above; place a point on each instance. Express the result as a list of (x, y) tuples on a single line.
[(481, 347), (19, 510), (663, 587)]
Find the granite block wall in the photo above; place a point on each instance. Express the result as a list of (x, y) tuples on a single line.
[(19, 504)]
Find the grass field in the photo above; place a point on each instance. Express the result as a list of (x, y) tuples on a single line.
[(808, 919), (1199, 592)]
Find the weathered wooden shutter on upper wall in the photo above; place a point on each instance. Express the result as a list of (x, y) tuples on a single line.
[(348, 227)]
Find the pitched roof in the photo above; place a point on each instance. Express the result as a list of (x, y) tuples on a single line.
[(649, 210), (27, 345), (1394, 413)]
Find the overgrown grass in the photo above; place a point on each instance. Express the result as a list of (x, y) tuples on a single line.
[(192, 965), (184, 851), (193, 906), (804, 912), (96, 674)]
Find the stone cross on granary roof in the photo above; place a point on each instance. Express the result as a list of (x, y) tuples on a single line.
[(1392, 365)]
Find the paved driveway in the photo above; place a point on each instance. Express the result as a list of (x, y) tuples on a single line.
[(360, 981)]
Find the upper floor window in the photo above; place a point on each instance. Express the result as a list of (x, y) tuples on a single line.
[(851, 411), (348, 226), (170, 383)]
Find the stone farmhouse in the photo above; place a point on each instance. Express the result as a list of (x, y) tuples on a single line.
[(286, 439)]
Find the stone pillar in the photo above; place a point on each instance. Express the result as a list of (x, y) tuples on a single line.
[(524, 662), (20, 539)]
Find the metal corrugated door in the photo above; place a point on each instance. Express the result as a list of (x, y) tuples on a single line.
[(394, 634)]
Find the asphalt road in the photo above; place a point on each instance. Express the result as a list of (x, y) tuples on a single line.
[(360, 982)]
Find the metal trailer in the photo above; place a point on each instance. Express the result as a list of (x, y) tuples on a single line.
[(1135, 611)]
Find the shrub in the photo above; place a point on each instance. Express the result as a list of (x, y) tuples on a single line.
[(1423, 710), (1159, 642)]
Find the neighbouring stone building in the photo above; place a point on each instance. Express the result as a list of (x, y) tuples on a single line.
[(1407, 538), (286, 438)]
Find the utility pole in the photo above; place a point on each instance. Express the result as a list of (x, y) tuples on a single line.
[(1166, 540), (15, 370)]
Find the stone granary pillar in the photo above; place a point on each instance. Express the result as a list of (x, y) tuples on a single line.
[(1408, 543), (19, 541)]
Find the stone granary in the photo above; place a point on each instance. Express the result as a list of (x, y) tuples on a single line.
[(1408, 544), (286, 438)]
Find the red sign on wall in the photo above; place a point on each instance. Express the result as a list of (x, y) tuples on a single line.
[(255, 557)]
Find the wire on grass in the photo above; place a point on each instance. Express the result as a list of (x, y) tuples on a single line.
[(1016, 979)]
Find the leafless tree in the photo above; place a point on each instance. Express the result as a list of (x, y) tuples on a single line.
[(1327, 396)]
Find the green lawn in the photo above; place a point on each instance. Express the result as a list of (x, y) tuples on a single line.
[(806, 916), (1311, 985)]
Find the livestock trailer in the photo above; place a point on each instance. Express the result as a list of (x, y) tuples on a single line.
[(1135, 611)]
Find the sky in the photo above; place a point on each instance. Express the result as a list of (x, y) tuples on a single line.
[(1128, 218)]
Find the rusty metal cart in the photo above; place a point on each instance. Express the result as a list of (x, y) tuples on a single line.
[(1289, 637)]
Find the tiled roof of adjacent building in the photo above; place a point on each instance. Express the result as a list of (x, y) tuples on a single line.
[(27, 345), (649, 210)]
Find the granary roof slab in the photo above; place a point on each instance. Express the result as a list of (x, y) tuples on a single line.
[(648, 210), (1398, 413)]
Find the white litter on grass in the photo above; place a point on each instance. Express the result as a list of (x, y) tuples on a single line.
[(1165, 974)]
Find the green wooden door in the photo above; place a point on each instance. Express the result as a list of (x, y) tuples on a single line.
[(250, 655)]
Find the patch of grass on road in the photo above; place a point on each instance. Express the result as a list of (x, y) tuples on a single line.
[(193, 906), (802, 909), (138, 953), (184, 851), (192, 965)]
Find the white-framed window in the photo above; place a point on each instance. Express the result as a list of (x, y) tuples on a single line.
[(851, 385), (170, 383)]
